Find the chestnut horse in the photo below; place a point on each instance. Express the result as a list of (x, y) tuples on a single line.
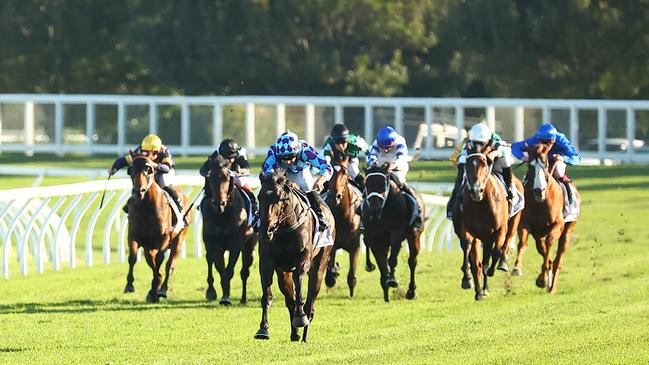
[(343, 202), (543, 218), (512, 227), (287, 247), (151, 226), (225, 228), (484, 221), (386, 215)]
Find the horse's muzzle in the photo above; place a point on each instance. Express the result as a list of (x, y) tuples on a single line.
[(539, 195), (339, 198), (219, 206), (477, 194), (139, 193)]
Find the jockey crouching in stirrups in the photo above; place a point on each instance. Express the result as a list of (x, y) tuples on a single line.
[(297, 157), (152, 147), (562, 153), (350, 145), (237, 162), (390, 148), (480, 137)]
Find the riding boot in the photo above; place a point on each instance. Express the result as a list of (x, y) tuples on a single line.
[(408, 190), (507, 178), (174, 195), (316, 201), (566, 182), (455, 194)]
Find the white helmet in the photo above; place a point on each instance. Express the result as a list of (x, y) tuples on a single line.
[(480, 133)]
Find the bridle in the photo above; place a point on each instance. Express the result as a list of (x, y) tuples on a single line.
[(149, 176), (300, 219), (481, 184), (383, 196)]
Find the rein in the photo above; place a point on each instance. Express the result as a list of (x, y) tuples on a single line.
[(382, 196)]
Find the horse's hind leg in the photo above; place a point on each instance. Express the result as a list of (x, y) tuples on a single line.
[(330, 278), (246, 262), (413, 247), (210, 293), (132, 259), (369, 266), (523, 235), (219, 264), (351, 275), (229, 273), (467, 282), (476, 267), (152, 259), (564, 244), (316, 272), (287, 288), (300, 318), (381, 258), (392, 263), (266, 274), (170, 268)]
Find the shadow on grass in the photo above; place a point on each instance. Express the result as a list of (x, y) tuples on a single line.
[(112, 305)]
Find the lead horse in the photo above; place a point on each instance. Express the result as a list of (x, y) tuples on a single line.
[(225, 228), (386, 215), (151, 226), (287, 247), (543, 217), (343, 202)]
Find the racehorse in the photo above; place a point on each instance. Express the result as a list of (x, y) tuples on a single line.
[(343, 202), (386, 215), (287, 246), (543, 217), (512, 228), (484, 221), (151, 226), (225, 228)]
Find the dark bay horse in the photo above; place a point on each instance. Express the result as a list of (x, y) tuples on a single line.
[(151, 226), (484, 220), (343, 202), (386, 215), (512, 229), (225, 228), (543, 217), (287, 247)]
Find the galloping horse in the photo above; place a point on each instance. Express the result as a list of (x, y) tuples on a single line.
[(287, 246), (151, 226), (512, 227), (225, 228), (484, 221), (343, 202), (386, 215), (543, 218)]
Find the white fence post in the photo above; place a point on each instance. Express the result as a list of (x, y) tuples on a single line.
[(90, 127), (630, 133), (309, 110), (29, 128), (58, 127), (280, 118), (250, 126)]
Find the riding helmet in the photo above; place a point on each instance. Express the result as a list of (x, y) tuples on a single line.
[(229, 148), (151, 143), (339, 133), (287, 145), (480, 133), (546, 131), (386, 138)]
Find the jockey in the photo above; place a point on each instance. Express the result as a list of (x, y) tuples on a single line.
[(153, 148), (237, 162), (297, 157), (349, 144), (389, 147), (562, 152), (480, 137)]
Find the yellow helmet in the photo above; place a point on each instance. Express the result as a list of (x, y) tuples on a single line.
[(151, 143)]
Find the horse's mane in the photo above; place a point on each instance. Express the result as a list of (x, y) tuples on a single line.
[(376, 168), (277, 177), (218, 161)]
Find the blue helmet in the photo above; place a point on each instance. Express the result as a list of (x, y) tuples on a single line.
[(546, 131), (287, 145), (386, 137)]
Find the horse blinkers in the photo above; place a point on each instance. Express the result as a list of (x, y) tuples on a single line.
[(375, 210)]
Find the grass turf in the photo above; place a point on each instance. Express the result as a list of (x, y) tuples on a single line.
[(600, 314)]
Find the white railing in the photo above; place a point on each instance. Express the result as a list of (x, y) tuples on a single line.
[(46, 223), (91, 124)]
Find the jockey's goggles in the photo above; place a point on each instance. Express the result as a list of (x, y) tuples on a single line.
[(287, 157), (547, 141)]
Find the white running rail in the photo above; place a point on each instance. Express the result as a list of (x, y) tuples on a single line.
[(52, 224)]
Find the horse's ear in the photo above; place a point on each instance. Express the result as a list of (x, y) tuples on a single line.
[(526, 147), (131, 153), (262, 177)]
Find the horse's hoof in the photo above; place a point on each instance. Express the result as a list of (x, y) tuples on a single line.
[(540, 282), (225, 301), (301, 321), (243, 301), (517, 272), (162, 293), (129, 288), (503, 266), (152, 298), (491, 271), (370, 267), (262, 334), (210, 294), (411, 294), (485, 292), (467, 284), (330, 280), (392, 282), (295, 337), (479, 296)]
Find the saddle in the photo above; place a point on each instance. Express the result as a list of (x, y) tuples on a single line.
[(570, 211), (518, 202), (180, 219), (320, 239)]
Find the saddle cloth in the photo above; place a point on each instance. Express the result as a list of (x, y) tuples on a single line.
[(249, 208), (180, 221), (518, 203), (320, 239), (570, 211)]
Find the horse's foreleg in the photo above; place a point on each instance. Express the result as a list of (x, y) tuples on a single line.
[(151, 258), (395, 248), (332, 273), (287, 287), (246, 262), (169, 269), (564, 244), (266, 275), (467, 282), (381, 259), (219, 264), (351, 275), (498, 251), (229, 273), (369, 266), (476, 266), (543, 245), (512, 228), (132, 259), (210, 293), (316, 272), (413, 247), (523, 235), (300, 319)]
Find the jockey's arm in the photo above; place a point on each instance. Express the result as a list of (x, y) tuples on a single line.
[(270, 163), (120, 163), (241, 166), (570, 154)]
